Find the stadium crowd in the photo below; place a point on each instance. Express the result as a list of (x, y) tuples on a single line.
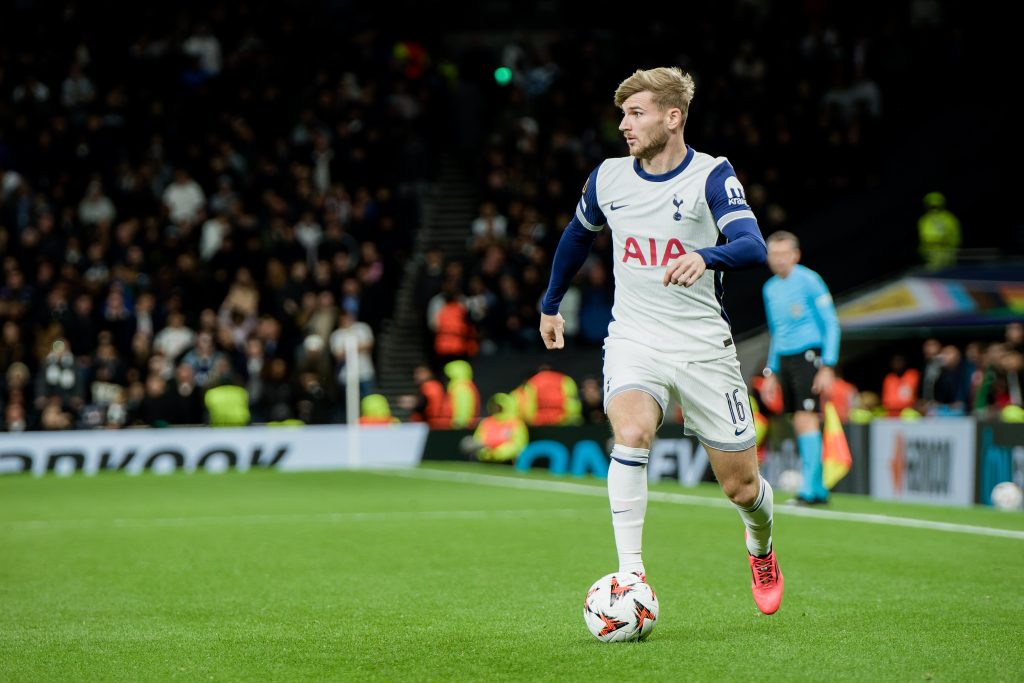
[(193, 199), (185, 204)]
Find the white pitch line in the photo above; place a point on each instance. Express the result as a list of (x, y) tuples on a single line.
[(685, 499), (329, 517)]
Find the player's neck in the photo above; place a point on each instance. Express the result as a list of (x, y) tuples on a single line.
[(665, 160)]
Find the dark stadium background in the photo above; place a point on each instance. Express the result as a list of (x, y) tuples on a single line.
[(437, 121)]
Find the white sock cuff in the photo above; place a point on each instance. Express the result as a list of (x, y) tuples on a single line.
[(763, 490), (631, 456)]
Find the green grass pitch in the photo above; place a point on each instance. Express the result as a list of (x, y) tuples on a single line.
[(445, 573)]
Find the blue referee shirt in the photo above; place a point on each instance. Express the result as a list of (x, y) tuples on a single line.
[(801, 316)]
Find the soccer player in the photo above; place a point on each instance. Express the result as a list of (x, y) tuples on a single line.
[(679, 219), (803, 350)]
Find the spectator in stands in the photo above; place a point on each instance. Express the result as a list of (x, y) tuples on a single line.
[(592, 401), (18, 392), (15, 418), (117, 317), (77, 91), (54, 417), (184, 200), (939, 232), (488, 229), (1014, 337), (1013, 366), (146, 322), (96, 208), (462, 395), (204, 46), (349, 327), (107, 369), (316, 395), (455, 337), (843, 396), (375, 410), (185, 398), (502, 435), (277, 398), (156, 408), (550, 398), (899, 388), (174, 339), (430, 403), (990, 388), (949, 398), (974, 353), (243, 295), (321, 318), (931, 351), (12, 347), (60, 378), (205, 360), (227, 403)]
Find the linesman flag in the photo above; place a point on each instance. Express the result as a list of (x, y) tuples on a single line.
[(835, 452)]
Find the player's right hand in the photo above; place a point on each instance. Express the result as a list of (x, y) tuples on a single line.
[(552, 327)]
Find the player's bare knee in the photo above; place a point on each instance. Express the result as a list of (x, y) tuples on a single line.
[(741, 490), (634, 435)]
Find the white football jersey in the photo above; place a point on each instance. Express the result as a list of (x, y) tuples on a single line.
[(654, 219)]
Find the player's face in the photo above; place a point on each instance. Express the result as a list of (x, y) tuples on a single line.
[(782, 256), (644, 126)]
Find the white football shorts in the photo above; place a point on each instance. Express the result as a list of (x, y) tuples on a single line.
[(712, 394)]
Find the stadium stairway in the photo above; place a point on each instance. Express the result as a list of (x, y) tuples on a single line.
[(448, 211)]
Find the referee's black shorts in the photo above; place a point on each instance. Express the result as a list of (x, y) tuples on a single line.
[(796, 376)]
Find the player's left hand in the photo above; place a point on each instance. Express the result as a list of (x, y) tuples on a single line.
[(823, 379), (684, 270)]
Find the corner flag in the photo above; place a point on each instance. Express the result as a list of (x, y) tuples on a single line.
[(835, 452)]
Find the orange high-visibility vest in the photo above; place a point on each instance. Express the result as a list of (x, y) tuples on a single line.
[(454, 333), (549, 395), (437, 412), (496, 431), (379, 420), (842, 395), (899, 392), (771, 400)]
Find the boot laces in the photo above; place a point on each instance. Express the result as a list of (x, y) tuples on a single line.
[(764, 570)]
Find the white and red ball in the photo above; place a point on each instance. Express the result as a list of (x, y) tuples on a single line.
[(620, 607)]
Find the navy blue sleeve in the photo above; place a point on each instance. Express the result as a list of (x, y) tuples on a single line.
[(588, 211), (572, 251), (745, 247)]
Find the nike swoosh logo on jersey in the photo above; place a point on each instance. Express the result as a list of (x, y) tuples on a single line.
[(616, 208), (740, 431), (616, 512)]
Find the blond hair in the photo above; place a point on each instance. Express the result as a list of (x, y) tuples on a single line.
[(668, 84)]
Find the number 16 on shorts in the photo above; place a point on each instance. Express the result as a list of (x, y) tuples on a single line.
[(737, 411)]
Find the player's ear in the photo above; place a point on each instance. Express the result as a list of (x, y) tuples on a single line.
[(675, 118)]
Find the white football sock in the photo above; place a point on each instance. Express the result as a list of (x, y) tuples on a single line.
[(627, 493), (758, 520)]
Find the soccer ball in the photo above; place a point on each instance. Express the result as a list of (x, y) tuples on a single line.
[(1007, 496), (791, 481), (620, 607)]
